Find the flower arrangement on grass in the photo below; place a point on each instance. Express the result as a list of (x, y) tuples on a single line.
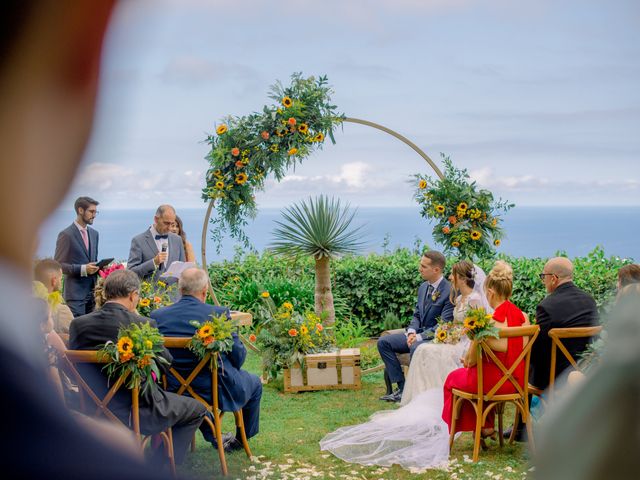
[(448, 332), (467, 219), (478, 325), (213, 336), (137, 351), (154, 295), (286, 336), (245, 150)]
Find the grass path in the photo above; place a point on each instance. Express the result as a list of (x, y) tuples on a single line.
[(291, 426)]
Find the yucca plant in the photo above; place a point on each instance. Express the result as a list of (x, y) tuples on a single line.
[(321, 228)]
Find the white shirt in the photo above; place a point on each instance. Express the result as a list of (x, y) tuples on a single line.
[(160, 241)]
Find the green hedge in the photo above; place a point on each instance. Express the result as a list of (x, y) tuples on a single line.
[(380, 290)]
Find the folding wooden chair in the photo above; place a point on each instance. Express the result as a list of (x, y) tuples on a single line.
[(71, 358), (483, 403), (213, 406)]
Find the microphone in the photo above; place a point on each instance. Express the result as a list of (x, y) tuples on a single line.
[(164, 249)]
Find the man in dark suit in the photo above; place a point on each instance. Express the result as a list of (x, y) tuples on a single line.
[(156, 248), (237, 389), (77, 252), (159, 410), (566, 306), (433, 302)]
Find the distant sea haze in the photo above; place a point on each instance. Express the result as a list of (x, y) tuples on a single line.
[(530, 231)]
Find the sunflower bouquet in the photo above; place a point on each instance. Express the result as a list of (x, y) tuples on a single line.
[(448, 332), (137, 351), (213, 336), (287, 335), (478, 324), (466, 219), (154, 295)]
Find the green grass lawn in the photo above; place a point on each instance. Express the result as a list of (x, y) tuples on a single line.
[(291, 425)]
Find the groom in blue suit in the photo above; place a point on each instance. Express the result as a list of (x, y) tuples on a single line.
[(77, 252), (433, 303), (237, 389)]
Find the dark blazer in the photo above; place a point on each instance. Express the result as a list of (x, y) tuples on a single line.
[(144, 249), (89, 332), (427, 311), (72, 254), (566, 307), (234, 385)]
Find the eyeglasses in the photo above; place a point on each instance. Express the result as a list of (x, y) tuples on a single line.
[(542, 275)]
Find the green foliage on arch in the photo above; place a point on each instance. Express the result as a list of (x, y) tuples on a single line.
[(246, 150)]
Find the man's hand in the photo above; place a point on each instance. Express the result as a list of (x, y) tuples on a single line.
[(411, 339), (161, 257), (92, 268)]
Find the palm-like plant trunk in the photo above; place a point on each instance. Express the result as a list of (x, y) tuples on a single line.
[(323, 295)]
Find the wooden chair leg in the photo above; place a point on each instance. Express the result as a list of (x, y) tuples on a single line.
[(500, 412), (454, 417), (529, 425), (170, 453), (478, 434), (516, 424), (243, 434)]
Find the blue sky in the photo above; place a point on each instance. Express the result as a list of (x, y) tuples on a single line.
[(538, 99)]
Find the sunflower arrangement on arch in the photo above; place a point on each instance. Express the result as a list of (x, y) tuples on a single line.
[(467, 220), (245, 150), (136, 353)]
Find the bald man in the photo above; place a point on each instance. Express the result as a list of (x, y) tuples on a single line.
[(565, 306)]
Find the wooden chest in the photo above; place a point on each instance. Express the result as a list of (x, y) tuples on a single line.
[(338, 370)]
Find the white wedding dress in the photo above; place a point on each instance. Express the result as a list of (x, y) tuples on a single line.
[(413, 436)]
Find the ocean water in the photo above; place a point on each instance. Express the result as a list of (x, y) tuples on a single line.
[(530, 231)]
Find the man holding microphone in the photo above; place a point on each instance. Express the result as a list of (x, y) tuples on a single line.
[(155, 249)]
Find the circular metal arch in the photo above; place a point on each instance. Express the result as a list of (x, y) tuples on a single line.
[(367, 123)]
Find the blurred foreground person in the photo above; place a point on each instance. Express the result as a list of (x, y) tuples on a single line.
[(594, 431), (49, 63)]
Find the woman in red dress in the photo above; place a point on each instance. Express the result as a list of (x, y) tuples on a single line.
[(498, 287)]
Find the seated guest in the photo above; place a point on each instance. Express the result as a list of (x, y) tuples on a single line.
[(49, 273), (566, 306), (188, 248), (156, 248), (433, 302), (237, 389), (159, 410)]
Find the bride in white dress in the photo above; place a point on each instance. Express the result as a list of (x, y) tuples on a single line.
[(415, 436)]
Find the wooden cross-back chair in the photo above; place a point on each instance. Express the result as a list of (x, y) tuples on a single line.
[(71, 358), (483, 403), (213, 406)]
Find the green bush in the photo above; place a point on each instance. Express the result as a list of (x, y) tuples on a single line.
[(380, 290)]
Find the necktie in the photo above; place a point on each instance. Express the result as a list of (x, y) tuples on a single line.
[(429, 293), (162, 237), (85, 238)]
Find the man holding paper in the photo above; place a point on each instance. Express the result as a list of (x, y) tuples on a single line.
[(77, 252), (155, 249)]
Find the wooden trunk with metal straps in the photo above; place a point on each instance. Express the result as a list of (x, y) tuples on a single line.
[(338, 370)]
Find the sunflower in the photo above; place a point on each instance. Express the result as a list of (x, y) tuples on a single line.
[(293, 151), (241, 178), (217, 173), (125, 346), (287, 305), (497, 242), (476, 235), (145, 302), (264, 294), (440, 209), (303, 128), (274, 148), (304, 330), (161, 284), (463, 206), (293, 332), (422, 185), (148, 344), (470, 323), (319, 137), (287, 102), (455, 244), (221, 129), (205, 331), (442, 335)]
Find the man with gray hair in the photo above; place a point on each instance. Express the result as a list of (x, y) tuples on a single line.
[(158, 409), (156, 248), (237, 389)]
